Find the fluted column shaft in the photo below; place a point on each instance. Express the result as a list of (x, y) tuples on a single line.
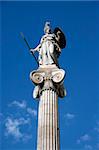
[(48, 137), (49, 86)]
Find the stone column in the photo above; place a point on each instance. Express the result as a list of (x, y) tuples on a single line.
[(47, 122), (48, 87)]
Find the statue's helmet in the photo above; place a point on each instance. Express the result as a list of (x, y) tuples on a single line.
[(47, 28), (60, 37)]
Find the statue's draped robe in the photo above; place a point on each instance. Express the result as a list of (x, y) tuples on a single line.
[(47, 51)]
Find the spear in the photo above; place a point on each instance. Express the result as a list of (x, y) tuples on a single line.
[(23, 37)]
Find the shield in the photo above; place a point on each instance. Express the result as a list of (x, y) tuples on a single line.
[(61, 40)]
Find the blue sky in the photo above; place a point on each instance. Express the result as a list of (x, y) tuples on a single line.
[(79, 111)]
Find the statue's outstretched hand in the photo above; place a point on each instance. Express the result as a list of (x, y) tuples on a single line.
[(35, 49), (32, 51)]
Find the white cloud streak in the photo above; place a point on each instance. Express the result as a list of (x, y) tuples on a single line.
[(97, 127), (1, 115), (84, 138), (69, 116), (97, 145), (32, 112), (16, 123), (13, 127), (90, 141), (88, 147), (21, 105)]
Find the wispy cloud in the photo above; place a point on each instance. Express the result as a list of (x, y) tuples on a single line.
[(84, 138), (17, 123), (90, 140), (1, 115), (69, 116), (1, 118), (27, 137), (97, 145), (21, 104), (13, 127), (96, 128), (32, 112), (85, 142), (88, 147)]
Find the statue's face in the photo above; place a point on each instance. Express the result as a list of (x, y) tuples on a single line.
[(47, 28)]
